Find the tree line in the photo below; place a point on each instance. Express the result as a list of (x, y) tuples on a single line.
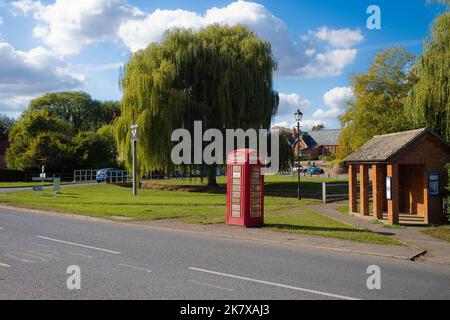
[(63, 131), (399, 92)]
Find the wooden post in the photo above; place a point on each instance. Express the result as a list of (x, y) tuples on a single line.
[(393, 204), (364, 190), (352, 184), (377, 191)]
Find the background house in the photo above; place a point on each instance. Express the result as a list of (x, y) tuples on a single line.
[(314, 144)]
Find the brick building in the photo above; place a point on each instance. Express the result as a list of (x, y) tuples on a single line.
[(3, 146), (318, 143), (408, 177)]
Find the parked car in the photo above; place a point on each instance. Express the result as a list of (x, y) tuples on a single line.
[(313, 169), (296, 168), (104, 175)]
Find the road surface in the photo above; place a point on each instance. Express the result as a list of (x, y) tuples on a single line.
[(122, 261)]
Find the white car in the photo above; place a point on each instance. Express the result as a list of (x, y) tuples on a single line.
[(297, 168)]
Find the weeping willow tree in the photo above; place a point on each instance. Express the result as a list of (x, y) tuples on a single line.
[(428, 103), (219, 75)]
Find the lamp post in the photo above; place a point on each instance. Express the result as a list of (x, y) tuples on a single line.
[(134, 135), (298, 118)]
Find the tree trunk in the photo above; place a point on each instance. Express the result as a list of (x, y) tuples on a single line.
[(212, 182)]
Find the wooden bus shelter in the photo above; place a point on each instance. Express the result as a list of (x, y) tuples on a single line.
[(408, 177)]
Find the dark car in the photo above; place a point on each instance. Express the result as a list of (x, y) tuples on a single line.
[(314, 170), (104, 175)]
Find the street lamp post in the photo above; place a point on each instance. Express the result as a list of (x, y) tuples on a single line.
[(298, 118), (134, 135)]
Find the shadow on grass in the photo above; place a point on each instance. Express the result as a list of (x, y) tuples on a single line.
[(309, 189)]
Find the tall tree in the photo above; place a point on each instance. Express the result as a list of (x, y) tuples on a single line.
[(318, 127), (429, 101), (78, 108), (378, 107), (219, 75), (6, 124), (40, 138)]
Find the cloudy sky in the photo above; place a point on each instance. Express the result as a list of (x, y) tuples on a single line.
[(80, 45)]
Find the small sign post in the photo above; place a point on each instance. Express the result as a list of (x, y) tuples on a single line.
[(134, 133), (56, 185), (43, 177)]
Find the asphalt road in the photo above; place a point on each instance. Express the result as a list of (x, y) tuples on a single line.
[(123, 261)]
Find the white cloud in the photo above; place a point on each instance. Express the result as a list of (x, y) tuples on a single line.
[(1, 21), (336, 99), (327, 114), (68, 26), (27, 6), (309, 124), (282, 124), (26, 74), (339, 38), (329, 63), (290, 102), (306, 124)]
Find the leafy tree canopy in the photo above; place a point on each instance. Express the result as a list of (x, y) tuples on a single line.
[(219, 75), (318, 127), (60, 131), (380, 94), (429, 101), (6, 124), (78, 108)]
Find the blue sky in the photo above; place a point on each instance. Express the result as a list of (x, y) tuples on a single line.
[(80, 45)]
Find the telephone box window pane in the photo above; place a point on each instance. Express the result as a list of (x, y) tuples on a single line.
[(237, 168), (236, 200), (235, 211), (255, 211), (236, 174), (236, 194), (237, 181), (255, 174), (255, 196), (236, 187)]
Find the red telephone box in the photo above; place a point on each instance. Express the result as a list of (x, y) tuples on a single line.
[(245, 188)]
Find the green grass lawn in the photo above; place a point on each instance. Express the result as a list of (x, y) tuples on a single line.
[(107, 201), (442, 232)]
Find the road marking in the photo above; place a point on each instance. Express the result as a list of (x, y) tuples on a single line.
[(209, 285), (79, 245), (135, 268), (5, 265), (332, 295), (79, 254), (1, 228)]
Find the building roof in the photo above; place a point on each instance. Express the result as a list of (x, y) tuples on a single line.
[(384, 148), (325, 137)]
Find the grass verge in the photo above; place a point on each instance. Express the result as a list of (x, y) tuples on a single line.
[(109, 201), (442, 232)]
